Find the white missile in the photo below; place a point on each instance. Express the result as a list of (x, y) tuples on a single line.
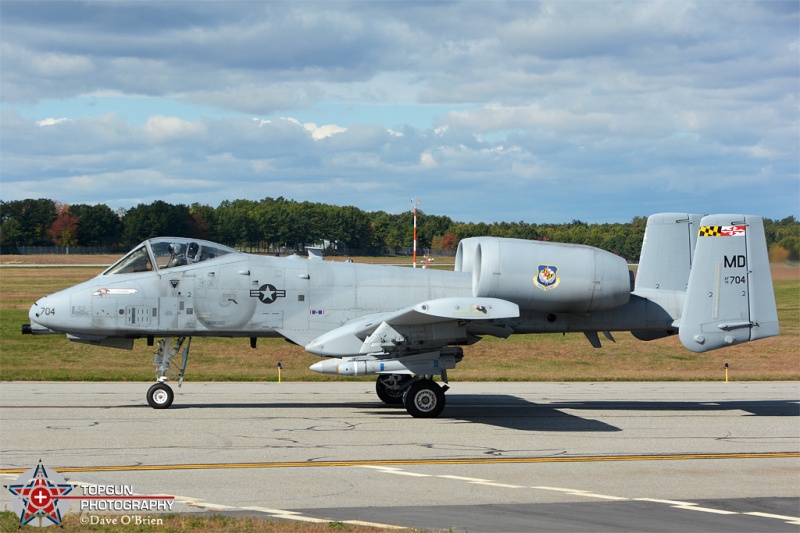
[(344, 367), (412, 365)]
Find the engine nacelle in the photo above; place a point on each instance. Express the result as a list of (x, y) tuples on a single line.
[(545, 276)]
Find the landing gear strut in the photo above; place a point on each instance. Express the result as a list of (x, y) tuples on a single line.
[(160, 395)]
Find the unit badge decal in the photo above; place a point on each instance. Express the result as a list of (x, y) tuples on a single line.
[(547, 279)]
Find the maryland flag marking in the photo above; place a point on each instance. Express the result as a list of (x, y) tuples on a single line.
[(721, 231)]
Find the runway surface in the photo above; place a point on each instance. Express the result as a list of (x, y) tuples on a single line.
[(502, 457)]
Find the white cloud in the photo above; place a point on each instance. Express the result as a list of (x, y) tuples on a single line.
[(426, 159), (51, 121), (321, 132), (160, 127), (590, 109)]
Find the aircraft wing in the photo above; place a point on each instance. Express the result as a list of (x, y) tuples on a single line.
[(421, 327)]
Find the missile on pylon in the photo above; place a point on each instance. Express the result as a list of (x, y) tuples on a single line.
[(429, 364)]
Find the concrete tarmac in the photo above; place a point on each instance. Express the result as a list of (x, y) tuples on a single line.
[(502, 457)]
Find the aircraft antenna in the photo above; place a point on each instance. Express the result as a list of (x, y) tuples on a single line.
[(415, 230)]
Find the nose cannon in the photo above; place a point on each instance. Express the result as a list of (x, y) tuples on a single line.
[(38, 329)]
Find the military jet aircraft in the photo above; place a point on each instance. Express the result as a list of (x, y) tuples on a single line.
[(706, 279)]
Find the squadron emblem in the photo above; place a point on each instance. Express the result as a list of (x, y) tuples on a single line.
[(547, 279)]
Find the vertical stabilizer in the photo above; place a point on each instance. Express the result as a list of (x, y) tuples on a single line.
[(729, 299), (667, 249)]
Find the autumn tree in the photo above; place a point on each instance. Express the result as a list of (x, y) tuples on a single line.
[(64, 230), (447, 242)]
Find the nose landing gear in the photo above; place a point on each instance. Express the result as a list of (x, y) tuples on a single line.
[(160, 395)]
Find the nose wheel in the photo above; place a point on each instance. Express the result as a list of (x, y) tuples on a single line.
[(160, 396)]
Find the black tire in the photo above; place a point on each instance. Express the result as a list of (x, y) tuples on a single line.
[(160, 396), (424, 399), (390, 388)]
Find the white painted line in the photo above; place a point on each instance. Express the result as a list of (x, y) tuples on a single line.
[(393, 470), (297, 516), (559, 489), (371, 524), (694, 507), (491, 484), (186, 499), (668, 502), (301, 518), (269, 511), (403, 473), (794, 520), (460, 478), (585, 493), (215, 506), (601, 496)]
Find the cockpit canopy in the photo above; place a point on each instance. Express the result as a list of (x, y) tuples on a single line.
[(167, 252)]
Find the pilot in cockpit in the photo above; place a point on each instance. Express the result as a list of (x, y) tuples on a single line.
[(192, 253), (176, 257)]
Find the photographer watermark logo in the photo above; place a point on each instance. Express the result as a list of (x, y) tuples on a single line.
[(40, 497)]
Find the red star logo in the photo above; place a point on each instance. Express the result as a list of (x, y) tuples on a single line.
[(40, 497)]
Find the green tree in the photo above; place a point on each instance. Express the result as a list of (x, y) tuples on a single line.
[(157, 219), (98, 226), (34, 218), (10, 233), (236, 223), (792, 245)]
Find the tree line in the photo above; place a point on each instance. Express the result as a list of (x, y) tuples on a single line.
[(274, 223)]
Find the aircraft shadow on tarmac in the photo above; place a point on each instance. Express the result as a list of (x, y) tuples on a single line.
[(512, 412), (500, 410)]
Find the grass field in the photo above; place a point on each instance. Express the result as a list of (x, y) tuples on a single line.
[(550, 357), (195, 522)]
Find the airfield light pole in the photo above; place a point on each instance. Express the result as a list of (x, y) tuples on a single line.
[(415, 230)]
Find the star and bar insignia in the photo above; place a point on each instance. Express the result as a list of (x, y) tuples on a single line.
[(267, 293)]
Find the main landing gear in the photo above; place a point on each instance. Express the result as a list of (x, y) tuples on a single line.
[(421, 396), (391, 387), (160, 395)]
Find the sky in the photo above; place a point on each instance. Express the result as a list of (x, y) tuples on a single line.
[(483, 111)]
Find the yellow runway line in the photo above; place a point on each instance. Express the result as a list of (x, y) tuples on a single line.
[(398, 462)]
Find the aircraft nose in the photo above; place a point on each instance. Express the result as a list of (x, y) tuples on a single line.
[(48, 311), (36, 311), (37, 325)]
